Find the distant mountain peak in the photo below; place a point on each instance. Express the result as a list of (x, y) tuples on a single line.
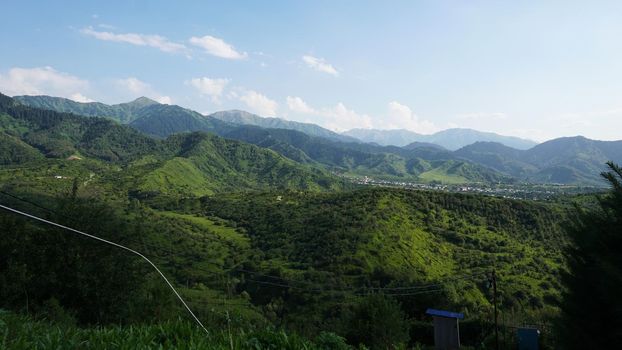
[(141, 102), (451, 139), (240, 117), (487, 145)]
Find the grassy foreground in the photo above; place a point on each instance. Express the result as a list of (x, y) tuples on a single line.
[(22, 332)]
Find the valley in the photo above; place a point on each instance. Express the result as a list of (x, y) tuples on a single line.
[(260, 226), (525, 191), (483, 158), (310, 175)]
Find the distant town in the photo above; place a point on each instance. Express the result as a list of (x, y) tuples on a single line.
[(530, 191)]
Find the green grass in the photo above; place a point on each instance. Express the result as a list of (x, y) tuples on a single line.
[(402, 245), (440, 175), (405, 237), (22, 333), (177, 176), (214, 226)]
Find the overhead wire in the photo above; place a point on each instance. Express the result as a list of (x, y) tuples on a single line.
[(289, 283), (175, 254), (15, 211)]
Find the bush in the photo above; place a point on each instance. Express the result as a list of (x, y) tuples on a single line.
[(331, 341), (378, 322)]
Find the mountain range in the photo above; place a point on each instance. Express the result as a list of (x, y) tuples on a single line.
[(566, 160), (451, 139), (185, 163), (436, 157), (245, 118), (123, 112), (346, 158)]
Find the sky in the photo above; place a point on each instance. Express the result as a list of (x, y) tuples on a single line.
[(533, 69)]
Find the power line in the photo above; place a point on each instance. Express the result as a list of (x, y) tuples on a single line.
[(115, 245), (37, 205), (315, 287), (396, 291)]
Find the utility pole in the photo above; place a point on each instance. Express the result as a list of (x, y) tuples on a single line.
[(494, 301)]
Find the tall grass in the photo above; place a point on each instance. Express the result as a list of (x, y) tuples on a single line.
[(22, 332)]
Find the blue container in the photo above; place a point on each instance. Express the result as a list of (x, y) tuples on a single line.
[(528, 338)]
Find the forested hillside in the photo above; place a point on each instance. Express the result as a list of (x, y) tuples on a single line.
[(356, 159), (574, 161), (254, 239), (451, 139), (193, 164), (123, 112), (305, 261), (307, 143), (245, 118), (567, 160)]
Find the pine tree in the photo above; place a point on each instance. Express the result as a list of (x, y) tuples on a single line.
[(592, 304)]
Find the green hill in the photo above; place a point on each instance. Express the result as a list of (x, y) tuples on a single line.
[(451, 139), (566, 160), (498, 157), (366, 159), (302, 143), (392, 239), (190, 164), (253, 238), (123, 112), (204, 164), (164, 120), (303, 260), (484, 157), (245, 118), (15, 151)]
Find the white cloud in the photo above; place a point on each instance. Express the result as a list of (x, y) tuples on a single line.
[(167, 100), (78, 97), (43, 81), (298, 105), (156, 41), (400, 116), (259, 103), (338, 117), (217, 47), (210, 87), (320, 65), (135, 87)]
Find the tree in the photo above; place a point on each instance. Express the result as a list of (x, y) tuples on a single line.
[(591, 305), (378, 322), (42, 265)]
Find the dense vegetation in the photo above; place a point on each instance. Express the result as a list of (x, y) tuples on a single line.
[(255, 240), (591, 308), (572, 160), (21, 332), (191, 164), (301, 261), (322, 150), (123, 112), (165, 120), (566, 160), (394, 239)]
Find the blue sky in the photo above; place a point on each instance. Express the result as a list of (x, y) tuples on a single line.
[(535, 69)]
